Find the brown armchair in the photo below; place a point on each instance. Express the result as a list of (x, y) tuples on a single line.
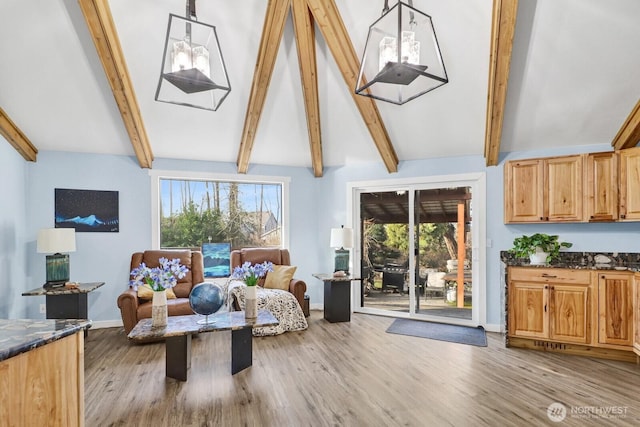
[(133, 309), (278, 257)]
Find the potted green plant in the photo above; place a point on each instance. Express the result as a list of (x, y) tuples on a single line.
[(540, 248)]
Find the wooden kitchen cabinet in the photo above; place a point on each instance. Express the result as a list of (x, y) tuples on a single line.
[(528, 309), (541, 190), (523, 191), (636, 314), (601, 182), (551, 304), (569, 313), (615, 308), (629, 184)]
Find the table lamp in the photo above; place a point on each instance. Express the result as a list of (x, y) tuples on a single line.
[(342, 239), (55, 241)]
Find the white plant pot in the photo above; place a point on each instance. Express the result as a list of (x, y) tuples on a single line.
[(159, 309), (538, 258), (251, 303)]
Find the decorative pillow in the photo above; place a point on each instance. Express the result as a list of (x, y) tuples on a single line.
[(145, 292), (280, 277)]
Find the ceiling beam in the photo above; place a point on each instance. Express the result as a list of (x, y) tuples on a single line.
[(272, 30), (306, 44), (502, 31), (335, 34), (629, 134), (105, 37), (14, 135)]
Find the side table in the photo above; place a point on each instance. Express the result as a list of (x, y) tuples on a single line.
[(66, 303), (337, 297)]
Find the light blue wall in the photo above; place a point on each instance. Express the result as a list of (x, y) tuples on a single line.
[(13, 226), (316, 205), (99, 257)]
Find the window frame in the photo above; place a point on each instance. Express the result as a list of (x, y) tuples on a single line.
[(157, 175)]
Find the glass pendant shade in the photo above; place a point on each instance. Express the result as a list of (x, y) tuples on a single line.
[(402, 58), (193, 71)]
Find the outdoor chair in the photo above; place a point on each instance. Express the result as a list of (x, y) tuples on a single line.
[(435, 284)]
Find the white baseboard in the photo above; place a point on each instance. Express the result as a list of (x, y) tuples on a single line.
[(100, 324), (493, 327)]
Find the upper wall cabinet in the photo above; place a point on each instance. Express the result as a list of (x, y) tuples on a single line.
[(630, 184), (544, 190), (601, 181), (580, 188), (523, 191)]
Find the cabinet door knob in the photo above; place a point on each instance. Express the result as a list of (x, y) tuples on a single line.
[(622, 216), (541, 218)]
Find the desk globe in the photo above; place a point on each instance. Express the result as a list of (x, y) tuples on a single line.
[(205, 299)]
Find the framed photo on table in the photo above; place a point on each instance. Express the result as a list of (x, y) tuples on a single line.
[(217, 259)]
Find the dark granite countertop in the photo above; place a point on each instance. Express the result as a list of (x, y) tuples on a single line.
[(21, 335), (619, 261)]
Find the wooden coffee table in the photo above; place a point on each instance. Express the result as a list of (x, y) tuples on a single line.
[(179, 329)]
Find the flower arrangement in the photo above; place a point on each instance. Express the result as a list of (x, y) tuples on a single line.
[(159, 278), (250, 274)]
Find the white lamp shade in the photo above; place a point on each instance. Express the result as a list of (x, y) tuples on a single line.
[(341, 237), (56, 240)]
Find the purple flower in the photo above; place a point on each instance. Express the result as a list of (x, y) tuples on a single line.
[(158, 278), (251, 273)]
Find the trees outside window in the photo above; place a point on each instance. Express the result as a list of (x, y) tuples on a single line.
[(245, 214)]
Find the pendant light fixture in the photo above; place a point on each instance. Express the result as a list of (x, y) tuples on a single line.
[(193, 73), (402, 56)]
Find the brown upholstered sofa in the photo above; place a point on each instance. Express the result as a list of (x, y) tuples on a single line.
[(278, 257), (133, 309)]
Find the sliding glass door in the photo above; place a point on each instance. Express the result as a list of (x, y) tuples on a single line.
[(417, 251), (385, 248)]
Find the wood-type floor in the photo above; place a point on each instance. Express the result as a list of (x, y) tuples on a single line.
[(353, 374)]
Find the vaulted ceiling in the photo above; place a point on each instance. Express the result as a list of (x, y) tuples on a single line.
[(573, 80)]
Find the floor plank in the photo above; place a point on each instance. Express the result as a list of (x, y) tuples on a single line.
[(350, 374)]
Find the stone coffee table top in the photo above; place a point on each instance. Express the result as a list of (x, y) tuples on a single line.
[(185, 325)]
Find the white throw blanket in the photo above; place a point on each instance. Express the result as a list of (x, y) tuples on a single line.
[(282, 304)]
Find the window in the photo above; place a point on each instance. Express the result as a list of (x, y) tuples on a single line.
[(196, 209)]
